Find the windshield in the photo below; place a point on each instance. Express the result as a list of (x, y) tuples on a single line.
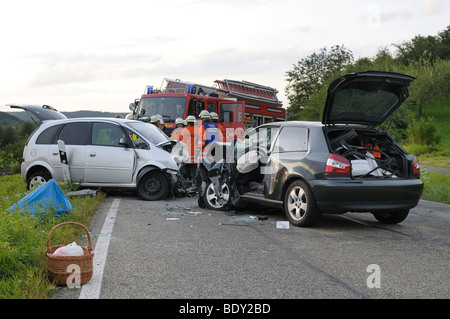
[(149, 131), (168, 107)]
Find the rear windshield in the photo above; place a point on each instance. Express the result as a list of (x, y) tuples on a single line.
[(363, 104)]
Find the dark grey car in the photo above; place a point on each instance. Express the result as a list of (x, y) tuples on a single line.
[(344, 164)]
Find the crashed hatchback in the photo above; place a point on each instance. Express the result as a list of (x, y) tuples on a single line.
[(344, 164), (99, 152)]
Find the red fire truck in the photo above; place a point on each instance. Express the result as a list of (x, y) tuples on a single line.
[(239, 104)]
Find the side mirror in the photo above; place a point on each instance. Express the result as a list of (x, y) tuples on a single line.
[(132, 107), (123, 142)]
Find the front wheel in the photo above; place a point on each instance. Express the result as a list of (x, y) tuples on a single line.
[(217, 200), (153, 186), (394, 217), (300, 205)]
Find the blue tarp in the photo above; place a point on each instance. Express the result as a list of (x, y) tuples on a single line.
[(46, 198)]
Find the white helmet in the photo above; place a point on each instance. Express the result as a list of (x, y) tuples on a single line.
[(190, 119), (214, 116), (204, 115)]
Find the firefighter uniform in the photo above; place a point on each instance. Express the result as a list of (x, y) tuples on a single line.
[(177, 131), (215, 119), (189, 137), (209, 133)]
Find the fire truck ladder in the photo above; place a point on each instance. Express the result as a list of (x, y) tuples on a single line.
[(177, 86), (249, 90)]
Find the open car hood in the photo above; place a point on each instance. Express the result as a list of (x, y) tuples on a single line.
[(41, 112), (367, 98)]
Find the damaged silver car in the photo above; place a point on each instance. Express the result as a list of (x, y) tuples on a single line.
[(99, 152)]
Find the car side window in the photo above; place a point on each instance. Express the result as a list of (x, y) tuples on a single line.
[(138, 141), (74, 133), (46, 137), (106, 134), (292, 139)]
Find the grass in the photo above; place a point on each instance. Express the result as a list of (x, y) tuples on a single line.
[(436, 186), (23, 240)]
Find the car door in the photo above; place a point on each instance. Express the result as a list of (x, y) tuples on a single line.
[(289, 148), (107, 161), (74, 135)]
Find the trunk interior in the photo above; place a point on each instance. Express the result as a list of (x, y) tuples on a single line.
[(371, 152)]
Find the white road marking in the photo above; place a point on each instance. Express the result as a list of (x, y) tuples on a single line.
[(91, 290)]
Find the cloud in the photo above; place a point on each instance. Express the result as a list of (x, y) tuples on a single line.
[(433, 6), (58, 68)]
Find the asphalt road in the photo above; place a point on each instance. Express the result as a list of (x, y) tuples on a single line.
[(173, 249)]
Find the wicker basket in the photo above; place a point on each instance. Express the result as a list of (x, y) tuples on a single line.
[(57, 265)]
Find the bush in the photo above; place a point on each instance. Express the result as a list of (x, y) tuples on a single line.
[(424, 132), (418, 149)]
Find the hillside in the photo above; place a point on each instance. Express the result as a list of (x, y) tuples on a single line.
[(8, 119)]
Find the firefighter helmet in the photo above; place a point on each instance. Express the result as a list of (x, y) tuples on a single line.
[(204, 115), (214, 116), (190, 119), (179, 120), (153, 119)]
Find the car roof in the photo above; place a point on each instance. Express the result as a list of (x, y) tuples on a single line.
[(294, 123)]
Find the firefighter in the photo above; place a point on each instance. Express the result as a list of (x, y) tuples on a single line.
[(179, 127), (162, 127), (153, 120), (189, 137), (215, 119), (209, 132)]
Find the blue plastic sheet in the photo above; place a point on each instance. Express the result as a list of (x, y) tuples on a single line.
[(47, 198)]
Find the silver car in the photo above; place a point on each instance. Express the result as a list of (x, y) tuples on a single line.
[(99, 152)]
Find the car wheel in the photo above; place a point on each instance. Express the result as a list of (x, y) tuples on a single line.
[(300, 206), (37, 179), (394, 217), (153, 186), (215, 201)]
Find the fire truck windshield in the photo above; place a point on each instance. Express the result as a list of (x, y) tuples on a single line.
[(168, 107)]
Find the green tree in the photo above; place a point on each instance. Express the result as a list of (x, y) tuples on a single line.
[(9, 136), (310, 74), (424, 48), (432, 80)]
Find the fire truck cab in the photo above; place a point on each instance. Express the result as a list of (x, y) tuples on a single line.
[(239, 104)]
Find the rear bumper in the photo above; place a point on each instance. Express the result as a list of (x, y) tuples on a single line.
[(369, 195)]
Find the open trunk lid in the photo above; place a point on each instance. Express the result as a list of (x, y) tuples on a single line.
[(366, 98), (41, 112)]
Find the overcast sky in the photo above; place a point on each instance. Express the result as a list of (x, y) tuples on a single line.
[(100, 55)]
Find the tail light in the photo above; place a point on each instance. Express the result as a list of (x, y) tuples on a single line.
[(337, 164), (415, 166)]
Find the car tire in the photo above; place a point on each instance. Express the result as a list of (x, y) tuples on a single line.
[(153, 186), (393, 217), (37, 179), (300, 205), (210, 198)]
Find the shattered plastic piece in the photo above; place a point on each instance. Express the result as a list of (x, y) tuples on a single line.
[(194, 213), (83, 192), (172, 218), (282, 225)]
